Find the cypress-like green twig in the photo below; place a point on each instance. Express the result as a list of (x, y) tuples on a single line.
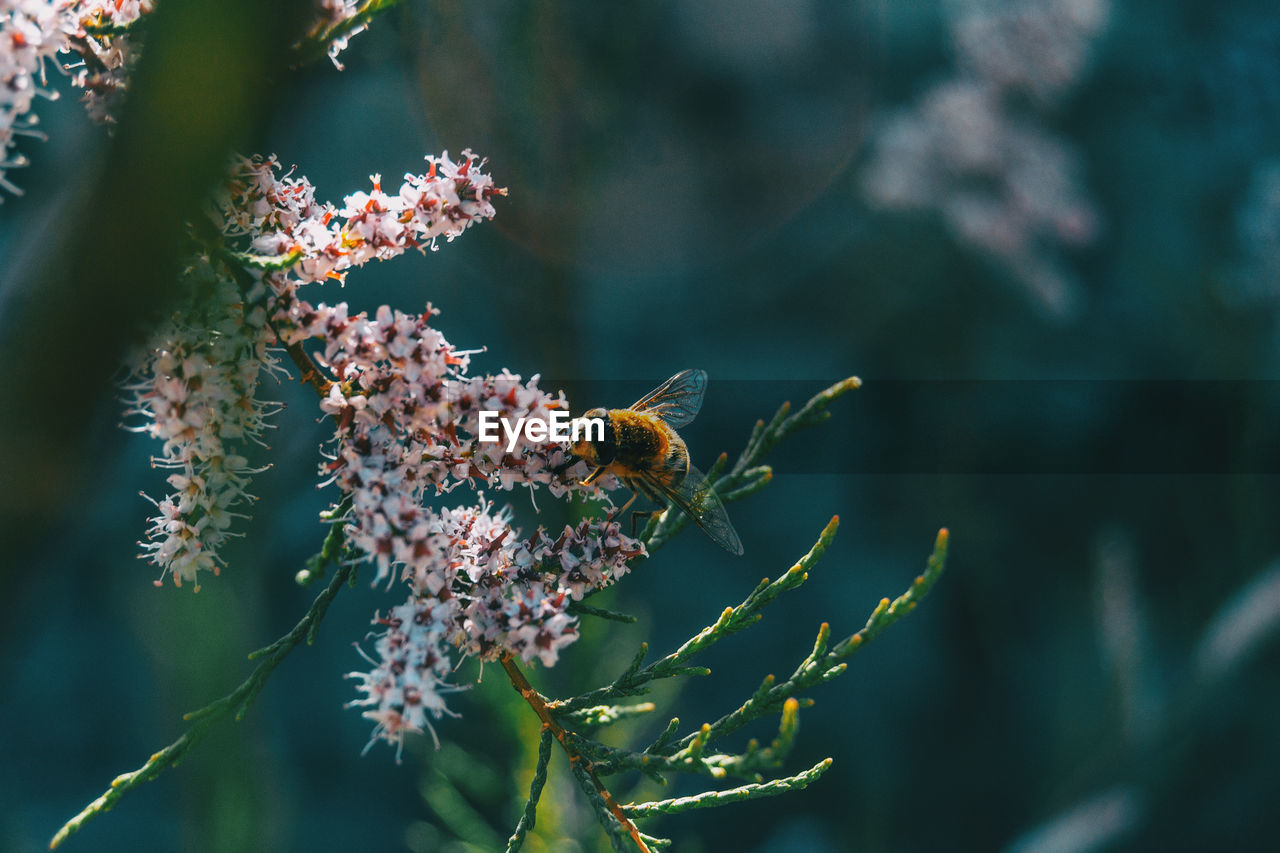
[(822, 665), (748, 475), (529, 816), (708, 799), (581, 608), (692, 754), (732, 620), (604, 715)]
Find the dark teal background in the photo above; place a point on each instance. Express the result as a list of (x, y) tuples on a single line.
[(683, 193)]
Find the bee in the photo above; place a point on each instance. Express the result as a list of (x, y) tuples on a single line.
[(641, 448)]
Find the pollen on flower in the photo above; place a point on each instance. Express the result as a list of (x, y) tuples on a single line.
[(280, 214)]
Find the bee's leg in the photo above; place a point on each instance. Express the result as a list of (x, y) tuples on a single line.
[(619, 511), (635, 516), (592, 476)]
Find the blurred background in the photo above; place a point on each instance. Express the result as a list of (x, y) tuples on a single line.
[(1046, 234)]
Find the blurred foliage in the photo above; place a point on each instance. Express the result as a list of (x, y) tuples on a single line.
[(685, 192)]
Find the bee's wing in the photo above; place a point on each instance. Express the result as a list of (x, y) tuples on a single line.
[(677, 400), (698, 499)]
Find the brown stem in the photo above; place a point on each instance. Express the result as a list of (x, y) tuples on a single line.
[(539, 706), (310, 372)]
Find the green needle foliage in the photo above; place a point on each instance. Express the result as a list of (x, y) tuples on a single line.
[(709, 799), (530, 814), (692, 754)]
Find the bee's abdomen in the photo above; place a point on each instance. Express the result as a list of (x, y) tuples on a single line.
[(642, 440), (677, 463)]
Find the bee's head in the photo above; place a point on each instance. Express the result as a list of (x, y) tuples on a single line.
[(596, 449)]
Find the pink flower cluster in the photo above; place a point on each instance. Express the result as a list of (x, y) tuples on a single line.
[(1039, 47), (404, 410), (33, 33), (282, 216), (97, 51), (194, 385), (403, 437), (106, 60), (974, 147), (30, 33), (406, 429), (486, 591), (194, 388)]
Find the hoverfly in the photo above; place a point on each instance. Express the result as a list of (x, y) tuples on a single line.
[(641, 447)]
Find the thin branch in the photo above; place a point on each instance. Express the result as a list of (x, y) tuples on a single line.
[(581, 608), (608, 760), (581, 767), (308, 371), (732, 620), (822, 665), (530, 815), (709, 799), (606, 715), (237, 702)]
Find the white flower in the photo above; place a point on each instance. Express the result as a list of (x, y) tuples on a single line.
[(194, 388)]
